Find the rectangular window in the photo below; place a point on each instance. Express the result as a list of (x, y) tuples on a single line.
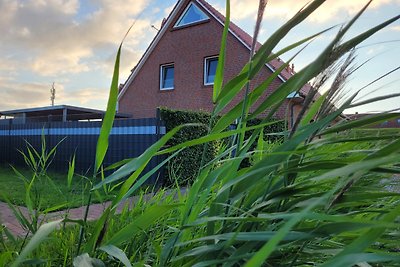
[(167, 77), (210, 68)]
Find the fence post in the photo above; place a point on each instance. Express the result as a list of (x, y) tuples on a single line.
[(158, 123), (158, 136), (9, 141), (46, 132)]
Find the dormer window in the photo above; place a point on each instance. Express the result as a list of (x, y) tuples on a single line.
[(210, 68), (167, 77), (192, 14)]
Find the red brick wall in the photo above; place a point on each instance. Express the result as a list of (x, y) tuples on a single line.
[(186, 48)]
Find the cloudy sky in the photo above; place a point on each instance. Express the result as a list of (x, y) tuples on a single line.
[(73, 43)]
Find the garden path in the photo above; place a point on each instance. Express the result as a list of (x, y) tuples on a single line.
[(8, 219)]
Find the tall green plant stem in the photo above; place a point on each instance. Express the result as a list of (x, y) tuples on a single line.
[(219, 77), (242, 119)]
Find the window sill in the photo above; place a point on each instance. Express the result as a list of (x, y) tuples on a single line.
[(166, 89)]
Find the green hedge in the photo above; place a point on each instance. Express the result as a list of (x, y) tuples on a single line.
[(185, 165), (277, 127)]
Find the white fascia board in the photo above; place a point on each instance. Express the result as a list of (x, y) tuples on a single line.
[(153, 44), (239, 39)]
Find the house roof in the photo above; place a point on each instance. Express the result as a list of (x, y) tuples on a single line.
[(235, 30), (362, 115), (73, 113), (247, 39)]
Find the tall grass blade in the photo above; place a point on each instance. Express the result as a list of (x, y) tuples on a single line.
[(362, 242), (71, 171), (369, 120), (142, 222), (116, 253), (219, 75), (102, 142), (35, 241)]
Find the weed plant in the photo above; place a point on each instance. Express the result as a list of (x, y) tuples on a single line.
[(317, 198)]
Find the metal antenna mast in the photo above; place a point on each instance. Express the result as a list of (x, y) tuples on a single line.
[(53, 94)]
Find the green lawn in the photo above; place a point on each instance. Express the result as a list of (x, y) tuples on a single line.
[(52, 191)]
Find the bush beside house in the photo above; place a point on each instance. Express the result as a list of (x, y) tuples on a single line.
[(185, 165)]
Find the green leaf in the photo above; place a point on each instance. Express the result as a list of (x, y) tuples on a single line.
[(116, 253), (139, 162), (374, 99), (332, 52), (85, 260), (259, 258), (232, 88), (357, 258), (71, 171), (141, 223), (369, 120), (144, 178), (100, 226), (234, 113), (35, 241), (260, 145), (313, 110), (363, 241), (108, 120), (254, 236), (219, 75), (266, 49)]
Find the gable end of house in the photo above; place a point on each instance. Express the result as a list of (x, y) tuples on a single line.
[(234, 30)]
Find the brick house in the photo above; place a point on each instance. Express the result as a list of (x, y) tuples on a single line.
[(177, 70)]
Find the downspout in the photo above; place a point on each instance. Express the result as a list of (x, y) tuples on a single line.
[(292, 113)]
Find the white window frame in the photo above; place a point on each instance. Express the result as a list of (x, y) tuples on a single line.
[(206, 69), (184, 13), (162, 76)]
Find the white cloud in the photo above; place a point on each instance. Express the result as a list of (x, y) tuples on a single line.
[(395, 28), (8, 9), (82, 97), (285, 9), (14, 95), (7, 65), (59, 6), (54, 38)]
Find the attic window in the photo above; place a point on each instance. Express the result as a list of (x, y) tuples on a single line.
[(210, 68), (192, 14), (167, 77)]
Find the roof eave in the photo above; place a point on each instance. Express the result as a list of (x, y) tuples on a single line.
[(150, 48), (238, 38)]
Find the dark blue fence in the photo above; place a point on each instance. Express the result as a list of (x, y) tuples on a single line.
[(129, 138)]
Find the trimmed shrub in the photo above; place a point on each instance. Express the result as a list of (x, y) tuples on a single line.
[(278, 127), (185, 165)]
